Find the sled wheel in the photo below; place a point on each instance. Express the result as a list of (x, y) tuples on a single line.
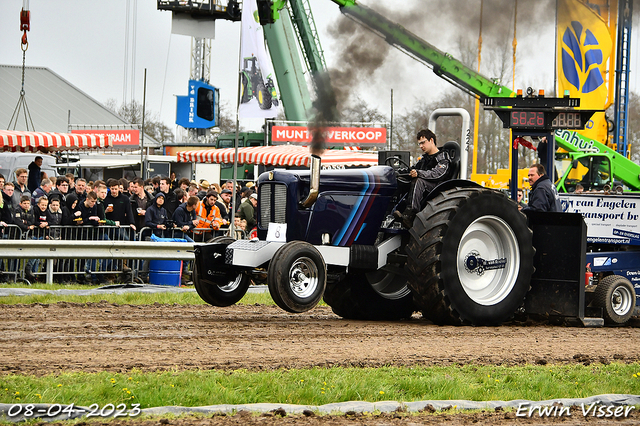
[(380, 295), (617, 298), (221, 291), (297, 277), (470, 257), (264, 97)]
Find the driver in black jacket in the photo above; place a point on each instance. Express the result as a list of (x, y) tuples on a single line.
[(431, 169)]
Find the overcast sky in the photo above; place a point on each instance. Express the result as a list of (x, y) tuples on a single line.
[(84, 42)]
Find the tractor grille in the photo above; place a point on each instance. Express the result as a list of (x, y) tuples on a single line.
[(273, 203)]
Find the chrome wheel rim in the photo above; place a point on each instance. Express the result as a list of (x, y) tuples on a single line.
[(303, 277), (488, 260), (387, 284), (231, 285), (622, 300)]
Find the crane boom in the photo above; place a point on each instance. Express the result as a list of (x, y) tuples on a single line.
[(463, 77)]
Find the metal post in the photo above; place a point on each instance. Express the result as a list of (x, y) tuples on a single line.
[(513, 187), (144, 101), (391, 124)]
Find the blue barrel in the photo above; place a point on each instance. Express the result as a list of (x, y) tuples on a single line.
[(165, 272)]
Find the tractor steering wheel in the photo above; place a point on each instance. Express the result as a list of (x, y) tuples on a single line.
[(395, 159), (402, 174)]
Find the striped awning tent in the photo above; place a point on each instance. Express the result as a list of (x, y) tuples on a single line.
[(11, 140), (278, 155)]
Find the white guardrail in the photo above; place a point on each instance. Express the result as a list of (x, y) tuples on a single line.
[(78, 249)]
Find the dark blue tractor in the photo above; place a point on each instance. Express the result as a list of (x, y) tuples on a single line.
[(468, 258)]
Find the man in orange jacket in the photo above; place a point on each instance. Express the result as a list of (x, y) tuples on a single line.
[(208, 214)]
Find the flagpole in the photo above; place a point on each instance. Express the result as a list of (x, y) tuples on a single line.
[(235, 158)]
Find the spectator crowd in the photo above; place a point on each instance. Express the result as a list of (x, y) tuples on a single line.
[(67, 207)]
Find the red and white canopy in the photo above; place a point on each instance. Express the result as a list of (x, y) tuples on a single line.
[(11, 140), (279, 155)]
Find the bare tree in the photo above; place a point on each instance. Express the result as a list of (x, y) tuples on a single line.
[(132, 113)]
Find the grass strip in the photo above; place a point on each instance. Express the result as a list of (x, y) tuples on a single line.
[(320, 386), (127, 298)]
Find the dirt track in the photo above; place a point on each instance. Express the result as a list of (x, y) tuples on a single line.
[(103, 336)]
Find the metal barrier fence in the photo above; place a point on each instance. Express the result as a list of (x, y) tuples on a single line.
[(83, 267), (12, 267)]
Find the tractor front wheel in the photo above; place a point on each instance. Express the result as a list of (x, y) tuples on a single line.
[(297, 277), (224, 290)]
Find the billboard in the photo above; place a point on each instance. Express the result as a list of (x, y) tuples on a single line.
[(333, 136), (199, 109), (120, 138)]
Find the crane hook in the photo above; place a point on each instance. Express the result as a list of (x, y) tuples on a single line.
[(25, 18)]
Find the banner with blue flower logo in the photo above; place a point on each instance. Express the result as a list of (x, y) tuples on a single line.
[(584, 47)]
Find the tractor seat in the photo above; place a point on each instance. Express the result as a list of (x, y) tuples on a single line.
[(453, 149)]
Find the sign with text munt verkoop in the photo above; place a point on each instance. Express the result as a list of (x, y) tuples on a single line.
[(333, 136)]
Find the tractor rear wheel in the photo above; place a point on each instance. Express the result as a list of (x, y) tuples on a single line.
[(245, 95), (264, 97), (380, 295), (470, 257), (223, 290), (617, 298)]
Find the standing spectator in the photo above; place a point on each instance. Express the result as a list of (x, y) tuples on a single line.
[(58, 216), (130, 189), (170, 200), (24, 218), (119, 211), (23, 214), (124, 187), (101, 193), (203, 188), (72, 180), (87, 212), (87, 215), (193, 190), (183, 184), (156, 216), (41, 229), (34, 173), (521, 204), (140, 201), (81, 188), (244, 194), (20, 186), (224, 203), (8, 207), (43, 189), (181, 196), (42, 218), (185, 218), (247, 211), (173, 181), (208, 215), (119, 208), (155, 181), (61, 190), (544, 195)]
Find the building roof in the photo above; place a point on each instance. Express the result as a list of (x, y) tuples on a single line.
[(52, 102)]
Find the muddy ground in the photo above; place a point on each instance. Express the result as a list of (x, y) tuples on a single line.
[(39, 339)]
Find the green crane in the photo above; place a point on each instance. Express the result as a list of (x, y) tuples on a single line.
[(580, 148)]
